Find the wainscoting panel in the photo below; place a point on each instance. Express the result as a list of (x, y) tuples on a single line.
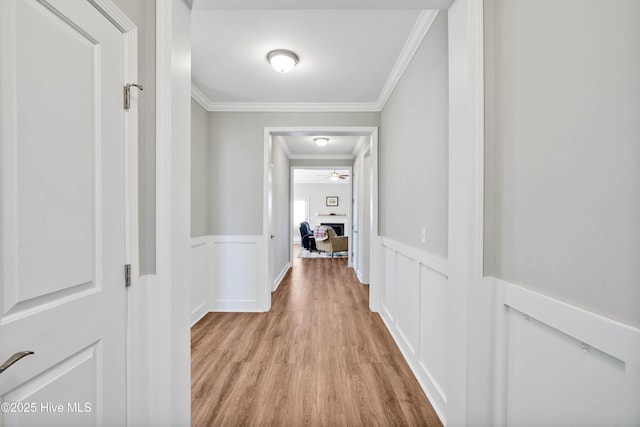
[(432, 333), (228, 274), (389, 283), (413, 309), (560, 365), (237, 273), (200, 277), (408, 301)]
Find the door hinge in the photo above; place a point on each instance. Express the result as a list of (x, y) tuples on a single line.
[(127, 94), (127, 275)]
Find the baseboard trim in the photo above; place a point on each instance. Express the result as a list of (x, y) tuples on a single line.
[(198, 313), (436, 399), (241, 306), (281, 276)]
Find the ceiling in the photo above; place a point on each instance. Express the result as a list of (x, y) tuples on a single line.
[(352, 53), (319, 176), (336, 50), (350, 56)]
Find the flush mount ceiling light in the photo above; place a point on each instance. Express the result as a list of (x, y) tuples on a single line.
[(282, 60), (321, 141)]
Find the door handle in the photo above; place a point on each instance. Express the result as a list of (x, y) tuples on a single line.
[(272, 236), (13, 359)]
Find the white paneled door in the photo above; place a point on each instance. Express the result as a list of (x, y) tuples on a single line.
[(62, 213)]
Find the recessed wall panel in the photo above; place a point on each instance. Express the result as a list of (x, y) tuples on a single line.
[(554, 379), (56, 153), (63, 395), (408, 299)]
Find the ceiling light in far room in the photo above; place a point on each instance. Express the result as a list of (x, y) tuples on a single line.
[(334, 176), (321, 141), (282, 60)]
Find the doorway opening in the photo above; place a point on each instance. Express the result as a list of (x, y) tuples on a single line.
[(288, 149), (327, 193)]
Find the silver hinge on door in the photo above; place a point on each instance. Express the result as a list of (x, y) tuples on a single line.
[(127, 94), (127, 275)]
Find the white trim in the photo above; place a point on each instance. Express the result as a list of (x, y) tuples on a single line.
[(159, 302), (375, 281), (418, 33), (469, 309), (115, 16), (360, 146), (613, 338), (325, 4), (229, 238), (134, 341), (198, 95), (322, 157), (431, 261), (293, 107), (283, 144), (280, 277), (198, 313)]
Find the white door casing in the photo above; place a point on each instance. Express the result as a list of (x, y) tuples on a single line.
[(63, 212), (356, 246)]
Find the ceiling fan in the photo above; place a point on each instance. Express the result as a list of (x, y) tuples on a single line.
[(335, 176)]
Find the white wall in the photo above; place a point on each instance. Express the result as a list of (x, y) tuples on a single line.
[(414, 148), (563, 151), (199, 171), (317, 194), (236, 150)]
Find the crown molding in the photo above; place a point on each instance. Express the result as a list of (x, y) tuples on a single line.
[(418, 33), (322, 157), (200, 97), (362, 142), (283, 144)]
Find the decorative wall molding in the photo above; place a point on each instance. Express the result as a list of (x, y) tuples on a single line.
[(418, 33), (199, 96), (593, 362), (413, 300), (433, 262), (227, 272)]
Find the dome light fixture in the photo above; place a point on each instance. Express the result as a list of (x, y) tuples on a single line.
[(282, 60), (321, 141)]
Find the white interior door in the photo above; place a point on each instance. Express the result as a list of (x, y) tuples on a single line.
[(355, 247), (62, 214), (365, 223), (271, 224)]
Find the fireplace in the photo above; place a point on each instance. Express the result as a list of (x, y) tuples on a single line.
[(337, 227)]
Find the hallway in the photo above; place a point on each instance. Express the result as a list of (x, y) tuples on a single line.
[(319, 357)]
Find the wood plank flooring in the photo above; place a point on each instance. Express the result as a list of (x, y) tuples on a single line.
[(318, 358)]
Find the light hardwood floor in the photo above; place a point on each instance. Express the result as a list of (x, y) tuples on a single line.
[(318, 358)]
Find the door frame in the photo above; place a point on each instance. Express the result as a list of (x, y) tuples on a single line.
[(466, 160), (372, 133), (347, 230)]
